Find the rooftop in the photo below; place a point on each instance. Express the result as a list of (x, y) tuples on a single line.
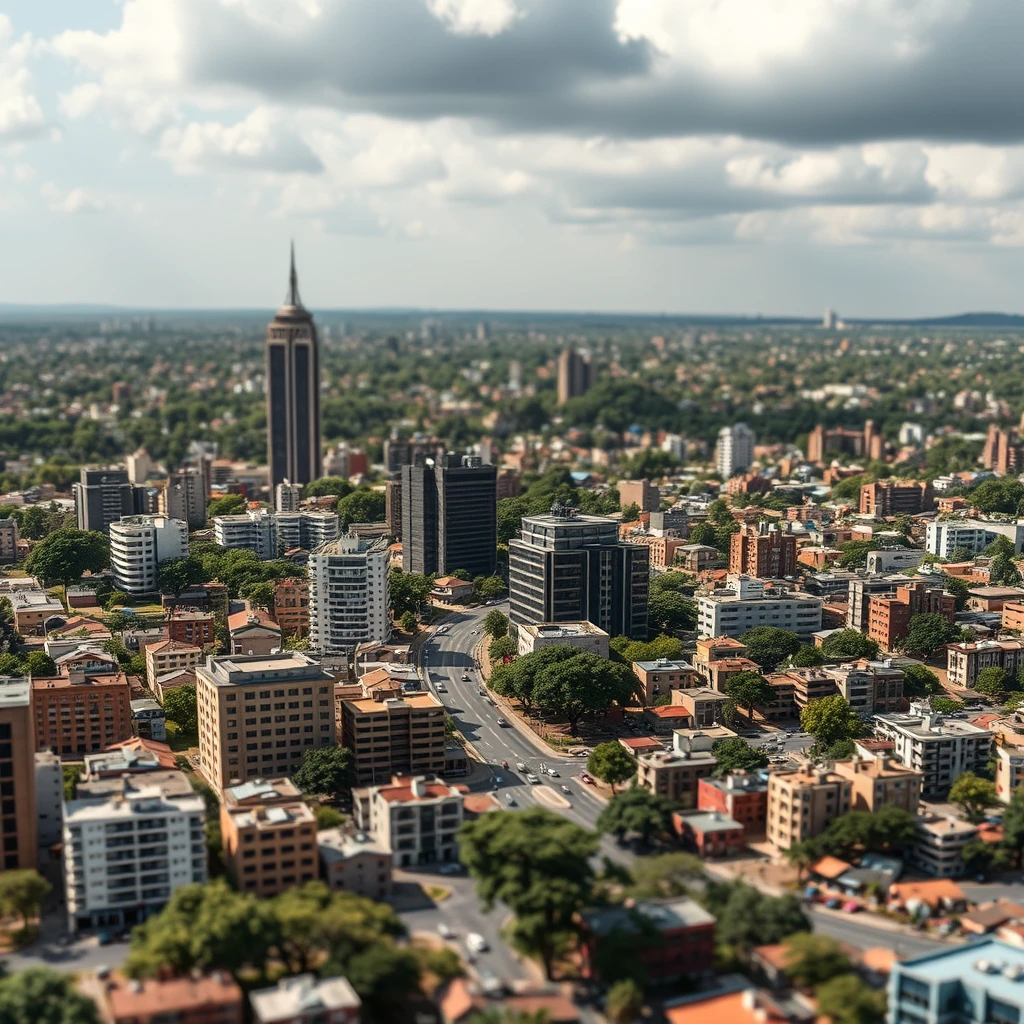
[(238, 670), (562, 629), (336, 845), (301, 994), (710, 821), (132, 799), (664, 665), (144, 998), (666, 915), (15, 691), (991, 964), (931, 726)]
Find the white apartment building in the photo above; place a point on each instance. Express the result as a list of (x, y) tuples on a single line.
[(938, 848), (348, 594), (139, 545), (941, 749), (943, 537), (418, 818), (307, 530), (747, 602), (287, 496), (253, 529), (125, 855), (734, 451)]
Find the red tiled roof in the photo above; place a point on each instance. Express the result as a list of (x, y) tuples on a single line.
[(174, 995), (241, 619), (402, 794), (639, 743)]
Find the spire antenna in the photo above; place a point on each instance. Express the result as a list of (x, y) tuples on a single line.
[(293, 283)]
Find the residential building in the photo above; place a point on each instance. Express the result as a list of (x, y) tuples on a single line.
[(763, 551), (861, 589), (509, 484), (449, 516), (993, 599), (78, 712), (191, 626), (734, 451), (944, 536), (741, 796), (685, 948), (889, 617), (656, 678), (393, 508), (964, 662), (871, 687), (939, 846), (307, 530), (642, 493), (567, 567), (713, 649), (124, 856), (129, 757), (291, 606), (348, 594), (878, 782), (673, 522), (662, 550), (346, 461), (287, 497), (32, 610), (584, 636), (102, 496), (940, 748), (306, 999), (417, 817), (703, 705), (49, 777), (185, 498), (293, 391), (205, 999), (709, 833), (269, 837), (148, 719), (746, 603), (166, 656), (253, 632), (976, 983), (891, 560), (355, 862), (451, 590), (803, 802), (8, 541), (254, 530), (890, 497), (1009, 771), (807, 684), (676, 775), (1003, 451), (575, 375), (18, 812), (139, 545), (394, 735), (867, 443), (259, 715)]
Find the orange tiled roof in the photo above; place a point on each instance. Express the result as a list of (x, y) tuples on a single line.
[(732, 1008)]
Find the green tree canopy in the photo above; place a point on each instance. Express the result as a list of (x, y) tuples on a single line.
[(179, 574), (334, 486), (326, 771), (229, 505), (611, 763), (737, 755), (749, 690), (927, 632), (994, 680), (919, 681), (846, 999), (769, 646), (362, 506), (665, 874), (670, 612), (849, 645), (829, 719), (647, 650), (636, 811), (22, 892), (972, 795), (42, 996), (408, 590), (66, 554), (813, 959), (496, 623), (748, 917), (808, 656), (181, 707), (625, 1001), (407, 620), (1002, 495)]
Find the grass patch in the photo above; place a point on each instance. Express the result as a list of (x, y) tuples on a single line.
[(437, 892)]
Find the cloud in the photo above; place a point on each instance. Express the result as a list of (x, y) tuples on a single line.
[(72, 201), (21, 116)]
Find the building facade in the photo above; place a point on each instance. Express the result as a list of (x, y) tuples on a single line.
[(185, 498), (78, 713), (18, 820), (253, 530), (885, 498), (307, 530), (746, 603), (291, 606), (584, 636), (889, 617), (139, 545), (734, 451), (763, 551), (803, 802), (102, 496), (965, 661), (575, 375), (943, 537)]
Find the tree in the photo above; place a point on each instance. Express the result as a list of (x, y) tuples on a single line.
[(501, 648), (408, 590), (631, 512), (181, 708), (1003, 571), (958, 587), (847, 1000), (229, 505), (177, 575), (919, 681), (972, 794), (581, 684), (625, 1001), (665, 874), (736, 755), (362, 506), (1002, 495), (662, 646), (328, 817), (769, 646), (749, 690), (260, 595), (326, 771), (489, 588), (994, 680), (849, 645), (42, 996), (748, 917), (927, 633), (539, 865), (636, 811), (808, 656), (22, 892), (496, 624), (67, 553), (407, 621), (946, 705), (671, 612), (334, 486), (829, 719), (384, 976), (811, 960), (612, 763), (40, 664)]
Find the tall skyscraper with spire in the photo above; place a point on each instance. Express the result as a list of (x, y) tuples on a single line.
[(293, 391)]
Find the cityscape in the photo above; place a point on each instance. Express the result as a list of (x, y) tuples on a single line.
[(416, 608)]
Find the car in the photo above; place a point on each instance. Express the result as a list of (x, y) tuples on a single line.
[(473, 632), (520, 766), (532, 779), (553, 773), (498, 780), (584, 777), (465, 678), (442, 629), (481, 692), (566, 789), (502, 724), (582, 753), (105, 938), (510, 800), (477, 943), (441, 688), (450, 868), (445, 931)]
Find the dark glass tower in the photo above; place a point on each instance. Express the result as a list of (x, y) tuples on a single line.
[(293, 391)]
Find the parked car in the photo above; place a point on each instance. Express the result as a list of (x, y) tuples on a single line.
[(450, 868), (566, 789), (441, 688), (584, 777), (477, 943)]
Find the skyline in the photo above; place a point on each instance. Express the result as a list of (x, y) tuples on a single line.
[(608, 156)]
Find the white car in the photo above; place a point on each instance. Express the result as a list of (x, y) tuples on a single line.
[(553, 773), (532, 779), (476, 943), (445, 931), (442, 629)]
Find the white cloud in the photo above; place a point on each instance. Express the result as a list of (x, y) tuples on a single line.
[(475, 17), (72, 201), (21, 116)]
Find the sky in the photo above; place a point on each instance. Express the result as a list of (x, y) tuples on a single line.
[(678, 156)]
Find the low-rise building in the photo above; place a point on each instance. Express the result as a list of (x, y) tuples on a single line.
[(703, 705), (993, 599), (415, 816), (709, 833), (269, 837), (964, 662), (166, 656), (291, 606), (191, 626), (78, 713), (742, 796), (676, 775), (938, 848), (355, 862), (803, 802), (253, 632), (148, 719), (871, 687), (584, 636), (889, 617), (306, 999), (169, 680), (206, 999), (696, 558), (666, 675), (878, 782), (32, 609), (746, 603), (941, 749), (451, 590)]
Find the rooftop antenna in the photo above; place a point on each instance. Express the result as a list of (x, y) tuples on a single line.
[(293, 284)]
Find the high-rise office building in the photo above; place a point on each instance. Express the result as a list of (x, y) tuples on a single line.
[(449, 516), (348, 594), (102, 497), (17, 774), (735, 450), (566, 567), (392, 508), (293, 391), (184, 498), (575, 375)]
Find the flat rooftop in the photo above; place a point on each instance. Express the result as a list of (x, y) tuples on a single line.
[(665, 665), (15, 691), (666, 915), (995, 966), (563, 629), (235, 670)]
